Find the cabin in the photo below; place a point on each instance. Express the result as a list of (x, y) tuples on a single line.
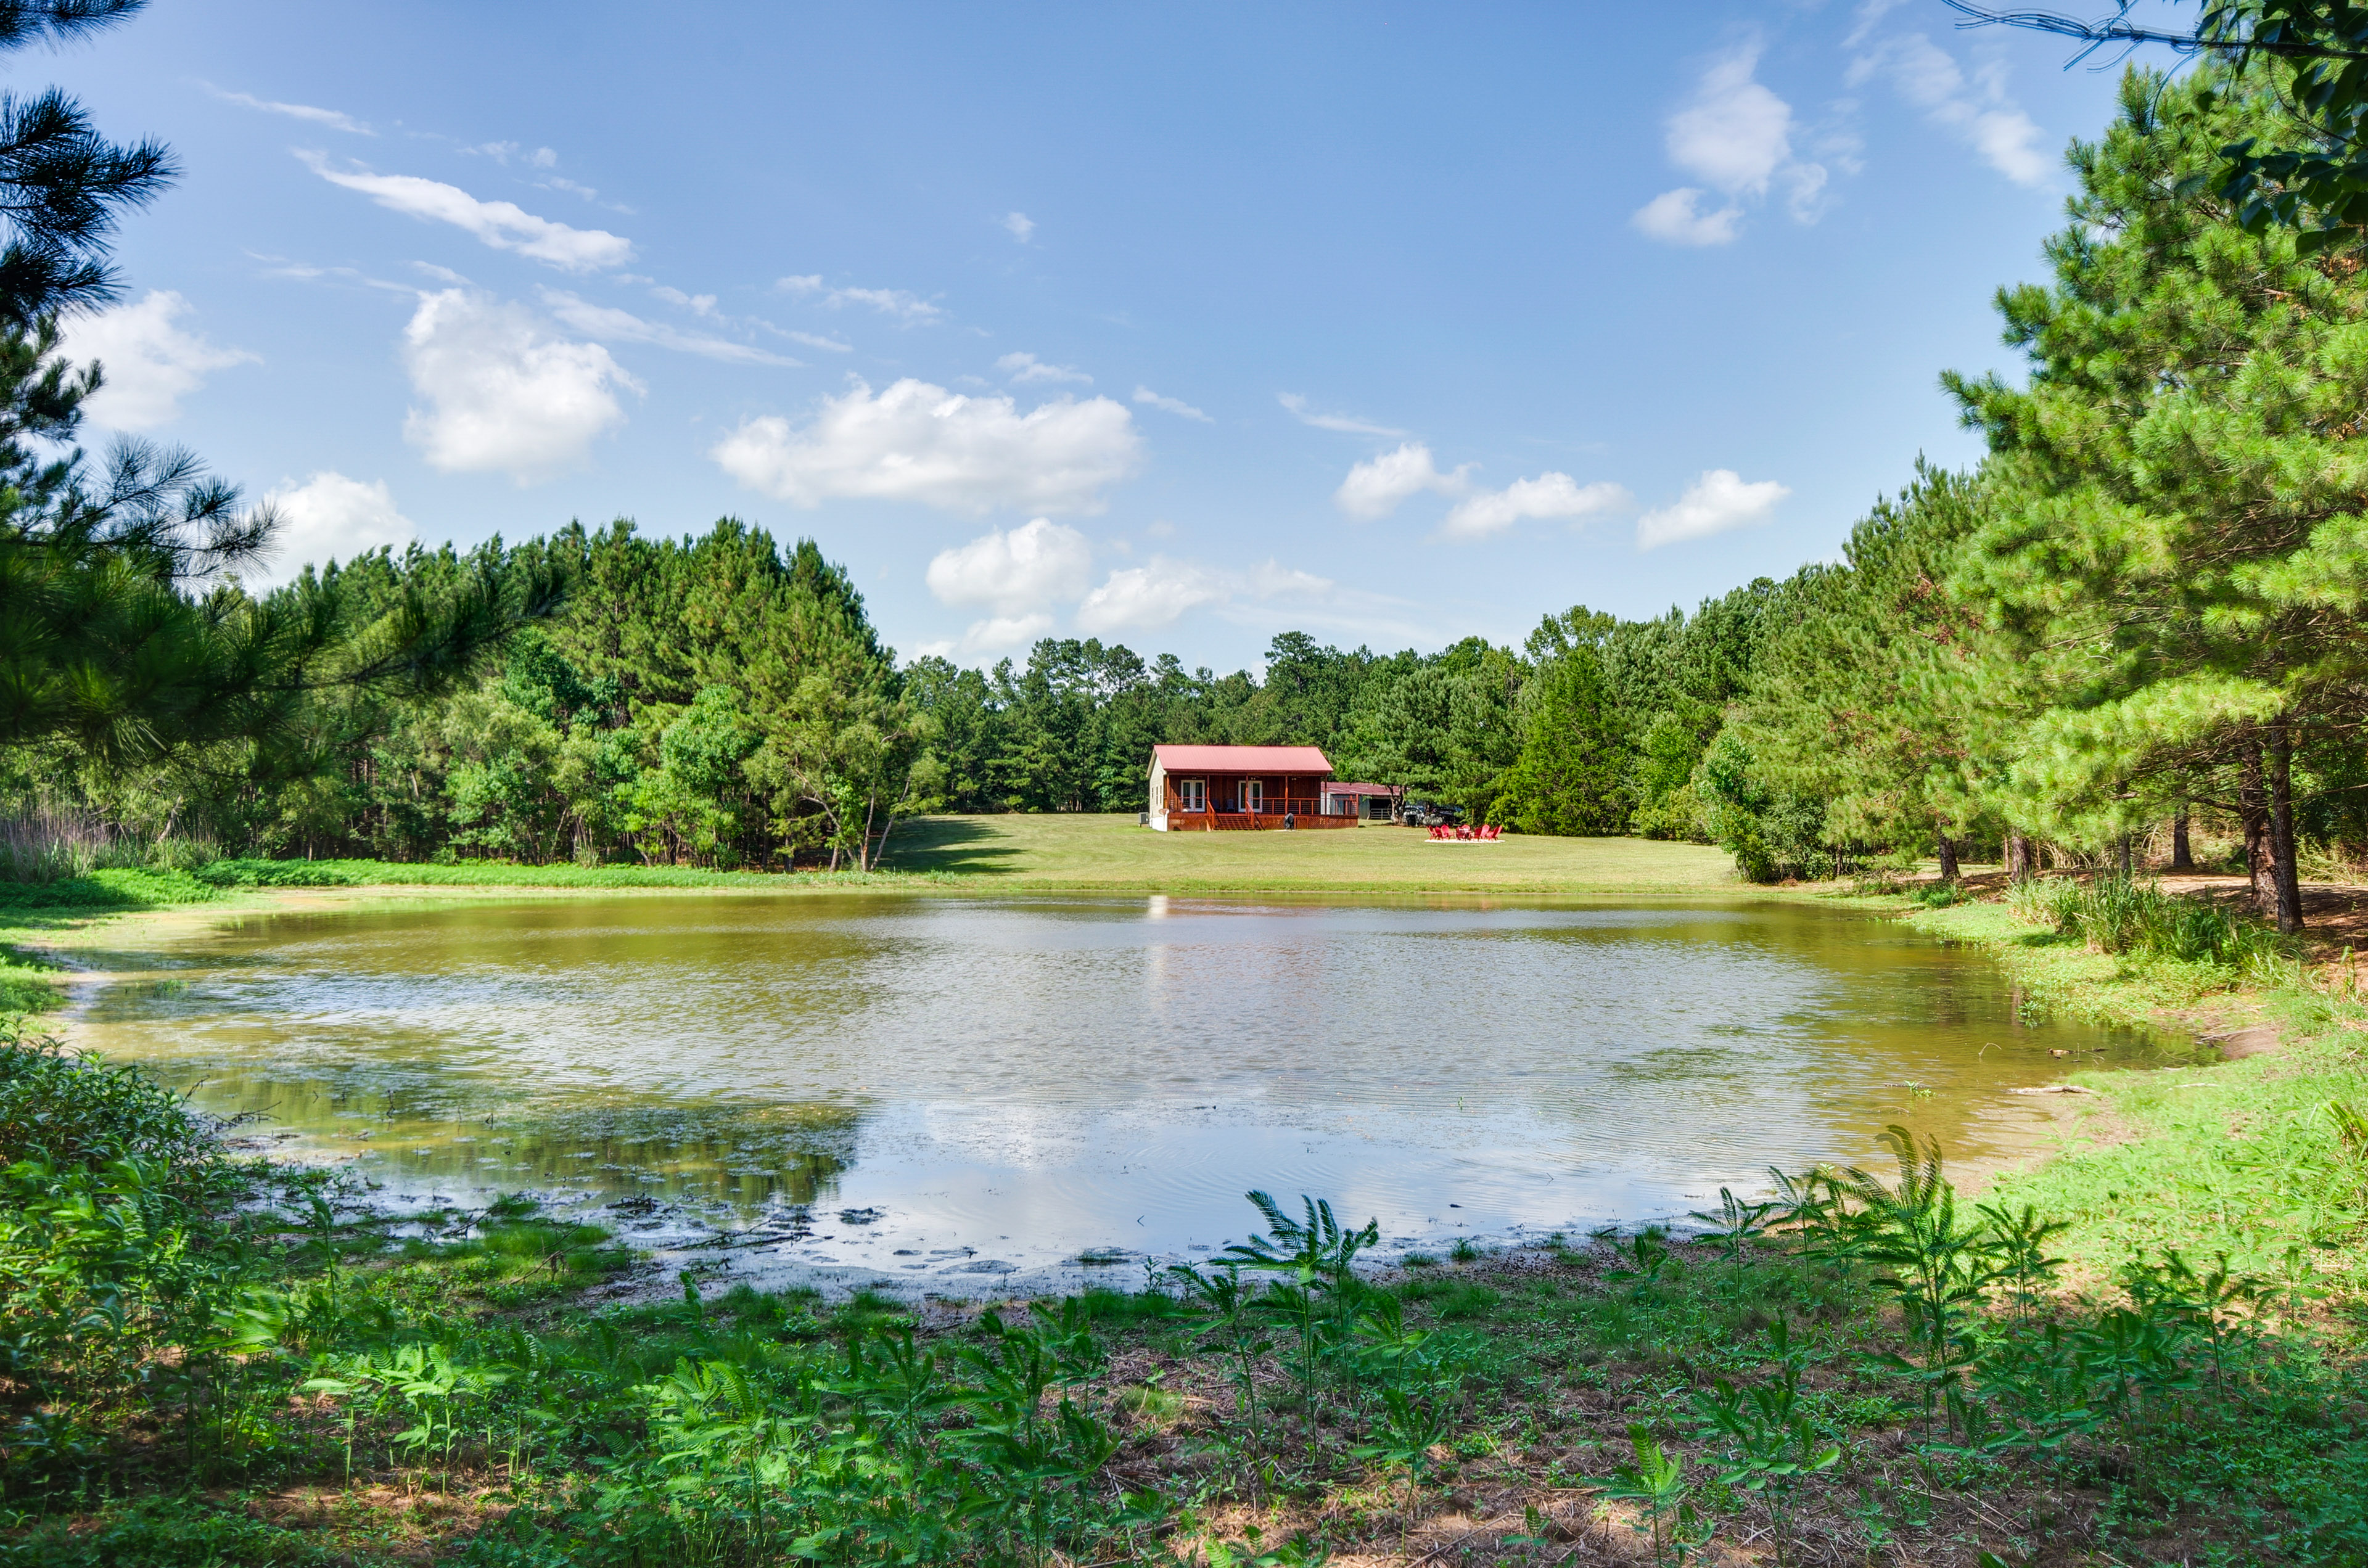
[(1238, 788)]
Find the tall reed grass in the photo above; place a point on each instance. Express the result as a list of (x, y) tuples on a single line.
[(2121, 914), (44, 844)]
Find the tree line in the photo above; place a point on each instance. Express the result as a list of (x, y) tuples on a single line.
[(2144, 603)]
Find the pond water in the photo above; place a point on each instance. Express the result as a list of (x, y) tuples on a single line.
[(960, 1093)]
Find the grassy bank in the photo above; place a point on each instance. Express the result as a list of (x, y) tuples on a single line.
[(1113, 852), (38, 919)]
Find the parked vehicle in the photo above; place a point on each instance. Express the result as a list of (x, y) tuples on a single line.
[(1431, 813)]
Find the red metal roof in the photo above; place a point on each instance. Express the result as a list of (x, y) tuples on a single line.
[(1337, 788), (1242, 759)]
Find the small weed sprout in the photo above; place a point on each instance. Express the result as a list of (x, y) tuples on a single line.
[(1657, 1479)]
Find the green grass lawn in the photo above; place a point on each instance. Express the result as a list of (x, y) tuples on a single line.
[(1096, 851)]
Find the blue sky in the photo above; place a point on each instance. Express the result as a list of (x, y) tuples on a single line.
[(1176, 325)]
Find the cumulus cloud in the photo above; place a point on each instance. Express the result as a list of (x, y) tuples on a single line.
[(1548, 496), (1376, 486), (1977, 111), (1019, 225), (1016, 572), (1343, 422), (1148, 598), (616, 325), (502, 393), (1000, 634), (331, 117), (1026, 370), (150, 361), (1716, 502), (504, 225), (1677, 217), (919, 442), (1734, 136), (331, 517), (1176, 406), (907, 306)]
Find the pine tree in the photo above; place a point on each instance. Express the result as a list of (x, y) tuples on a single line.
[(1869, 694), (2177, 551), (1571, 775)]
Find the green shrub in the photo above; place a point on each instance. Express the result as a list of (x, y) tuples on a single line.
[(167, 1532), (78, 1113), (2119, 914), (252, 873)]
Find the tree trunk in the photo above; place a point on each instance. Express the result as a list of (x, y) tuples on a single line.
[(2019, 866), (2182, 858), (1948, 858), (2253, 810), (2282, 829), (2128, 859)]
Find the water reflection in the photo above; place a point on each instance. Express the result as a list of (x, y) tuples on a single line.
[(1010, 1081)]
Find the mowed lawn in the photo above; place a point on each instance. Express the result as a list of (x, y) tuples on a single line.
[(1096, 851)]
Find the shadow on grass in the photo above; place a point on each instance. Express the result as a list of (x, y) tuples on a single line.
[(36, 906), (957, 845)]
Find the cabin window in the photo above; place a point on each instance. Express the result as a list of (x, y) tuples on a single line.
[(1253, 794), (1192, 794)]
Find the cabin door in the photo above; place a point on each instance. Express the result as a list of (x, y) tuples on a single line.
[(1253, 795)]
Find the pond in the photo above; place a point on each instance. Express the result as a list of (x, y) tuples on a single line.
[(957, 1093)]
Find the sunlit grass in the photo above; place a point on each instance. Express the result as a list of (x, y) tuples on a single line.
[(1090, 851)]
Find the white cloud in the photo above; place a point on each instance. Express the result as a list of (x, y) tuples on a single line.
[(572, 187), (1872, 12), (333, 118), (1675, 216), (1019, 225), (1548, 496), (330, 517), (151, 362), (504, 225), (1170, 404), (919, 442), (608, 322), (1014, 572), (1375, 486), (887, 301), (1978, 112), (1026, 370), (1001, 634), (1716, 502), (1148, 598), (1307, 416), (901, 303), (1735, 136), (697, 304), (503, 152), (502, 393)]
